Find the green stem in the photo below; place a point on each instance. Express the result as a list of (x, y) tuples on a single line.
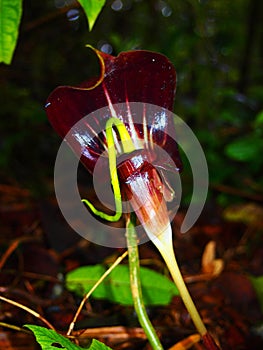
[(136, 285)]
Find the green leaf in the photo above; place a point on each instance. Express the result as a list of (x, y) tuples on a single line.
[(92, 9), (10, 16), (97, 345), (157, 289), (245, 149), (49, 339), (259, 120), (258, 286)]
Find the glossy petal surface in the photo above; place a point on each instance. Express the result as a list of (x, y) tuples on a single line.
[(143, 187), (134, 76)]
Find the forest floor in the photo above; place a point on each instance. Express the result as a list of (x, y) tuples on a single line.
[(217, 257)]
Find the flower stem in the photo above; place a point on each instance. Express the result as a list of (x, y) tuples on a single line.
[(185, 295), (165, 247), (136, 285)]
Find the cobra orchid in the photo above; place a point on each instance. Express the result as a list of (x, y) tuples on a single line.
[(133, 150)]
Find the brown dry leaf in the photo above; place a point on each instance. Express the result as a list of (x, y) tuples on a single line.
[(211, 265), (186, 343)]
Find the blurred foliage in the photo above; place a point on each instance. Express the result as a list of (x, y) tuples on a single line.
[(214, 45), (258, 285)]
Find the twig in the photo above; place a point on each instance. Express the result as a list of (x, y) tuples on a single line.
[(32, 275), (15, 328), (118, 333), (24, 294), (30, 311), (13, 247), (47, 18), (237, 192), (136, 286), (186, 343), (116, 262), (8, 252)]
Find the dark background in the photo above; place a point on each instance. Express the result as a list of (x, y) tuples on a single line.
[(216, 47)]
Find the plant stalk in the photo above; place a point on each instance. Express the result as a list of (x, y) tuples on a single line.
[(164, 244), (136, 285), (168, 255)]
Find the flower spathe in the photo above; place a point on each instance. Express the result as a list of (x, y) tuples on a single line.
[(133, 76)]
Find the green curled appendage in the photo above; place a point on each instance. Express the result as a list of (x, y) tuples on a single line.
[(128, 147)]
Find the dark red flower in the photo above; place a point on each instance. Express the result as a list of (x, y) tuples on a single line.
[(135, 76)]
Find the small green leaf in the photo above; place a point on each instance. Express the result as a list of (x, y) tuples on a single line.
[(10, 16), (92, 9), (156, 288), (245, 149), (49, 339), (258, 286)]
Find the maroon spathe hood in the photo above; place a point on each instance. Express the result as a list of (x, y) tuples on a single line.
[(134, 76)]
